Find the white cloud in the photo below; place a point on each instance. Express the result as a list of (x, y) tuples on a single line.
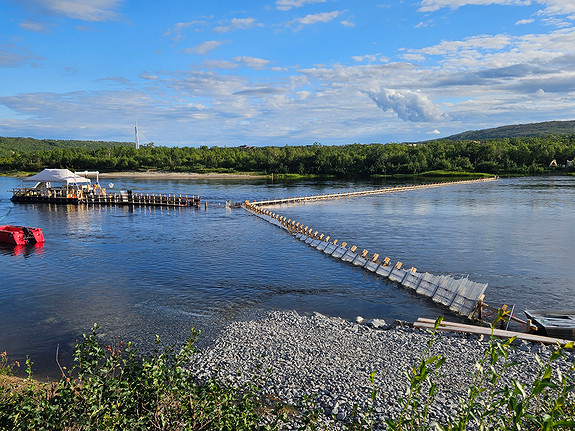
[(176, 31), (11, 56), (315, 18), (86, 10), (291, 4), (370, 58), (252, 62), (347, 23), (408, 105), (525, 21), (433, 5), (34, 26), (236, 24), (551, 7), (204, 48)]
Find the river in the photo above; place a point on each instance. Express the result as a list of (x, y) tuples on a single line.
[(138, 272)]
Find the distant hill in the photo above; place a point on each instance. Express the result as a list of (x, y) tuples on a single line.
[(25, 145), (518, 130)]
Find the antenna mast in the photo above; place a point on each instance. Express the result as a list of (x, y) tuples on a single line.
[(137, 139)]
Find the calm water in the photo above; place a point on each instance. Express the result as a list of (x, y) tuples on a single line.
[(138, 272)]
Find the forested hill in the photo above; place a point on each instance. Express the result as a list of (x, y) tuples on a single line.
[(11, 145), (499, 156), (547, 128)]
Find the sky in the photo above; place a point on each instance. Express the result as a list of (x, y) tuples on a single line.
[(282, 72)]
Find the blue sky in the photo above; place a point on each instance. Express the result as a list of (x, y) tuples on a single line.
[(282, 72)]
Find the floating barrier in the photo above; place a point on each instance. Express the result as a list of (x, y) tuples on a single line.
[(460, 295), (369, 192)]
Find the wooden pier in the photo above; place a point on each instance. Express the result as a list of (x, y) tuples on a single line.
[(121, 198), (460, 295)]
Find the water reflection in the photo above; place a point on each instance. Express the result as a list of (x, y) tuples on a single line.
[(26, 250)]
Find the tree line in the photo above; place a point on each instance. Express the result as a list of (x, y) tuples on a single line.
[(497, 156)]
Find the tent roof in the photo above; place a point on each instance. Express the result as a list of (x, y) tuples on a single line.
[(58, 176)]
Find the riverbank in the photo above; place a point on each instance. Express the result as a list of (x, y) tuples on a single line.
[(330, 359), (181, 175), (326, 367)]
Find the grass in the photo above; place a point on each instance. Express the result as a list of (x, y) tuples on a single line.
[(111, 388)]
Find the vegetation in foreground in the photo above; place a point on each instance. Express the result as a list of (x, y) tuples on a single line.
[(111, 388), (516, 156)]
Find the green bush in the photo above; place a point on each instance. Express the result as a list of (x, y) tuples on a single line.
[(110, 388)]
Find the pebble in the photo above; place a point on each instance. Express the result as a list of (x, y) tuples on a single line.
[(331, 359)]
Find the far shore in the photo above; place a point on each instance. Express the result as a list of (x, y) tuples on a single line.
[(180, 175)]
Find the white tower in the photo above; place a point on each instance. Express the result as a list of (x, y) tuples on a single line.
[(137, 139)]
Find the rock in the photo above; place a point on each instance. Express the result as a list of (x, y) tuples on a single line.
[(359, 320), (377, 323)]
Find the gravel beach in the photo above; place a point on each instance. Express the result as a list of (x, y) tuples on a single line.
[(331, 359)]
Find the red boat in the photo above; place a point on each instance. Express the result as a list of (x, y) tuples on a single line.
[(20, 235)]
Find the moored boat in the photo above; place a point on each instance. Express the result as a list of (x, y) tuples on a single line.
[(558, 324), (20, 235)]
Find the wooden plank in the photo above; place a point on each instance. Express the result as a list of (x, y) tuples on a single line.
[(480, 330)]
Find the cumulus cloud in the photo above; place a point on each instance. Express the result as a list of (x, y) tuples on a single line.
[(408, 105), (204, 48), (86, 10), (292, 4)]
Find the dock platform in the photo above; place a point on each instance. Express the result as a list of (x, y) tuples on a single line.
[(122, 198)]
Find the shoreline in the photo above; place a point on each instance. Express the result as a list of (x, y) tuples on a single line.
[(330, 359), (328, 362), (181, 175)]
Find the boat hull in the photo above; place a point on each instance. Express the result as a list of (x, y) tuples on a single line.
[(555, 323), (20, 235)]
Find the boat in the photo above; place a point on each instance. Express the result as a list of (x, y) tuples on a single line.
[(558, 324), (20, 235)]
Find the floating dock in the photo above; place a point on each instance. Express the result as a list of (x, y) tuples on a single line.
[(75, 188), (460, 295), (121, 198)]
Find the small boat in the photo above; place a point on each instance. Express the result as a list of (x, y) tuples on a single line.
[(558, 324), (20, 235)]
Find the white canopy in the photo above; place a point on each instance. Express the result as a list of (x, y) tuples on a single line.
[(58, 176)]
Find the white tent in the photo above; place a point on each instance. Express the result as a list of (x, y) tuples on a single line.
[(58, 176)]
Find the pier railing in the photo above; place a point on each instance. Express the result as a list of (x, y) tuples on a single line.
[(98, 197)]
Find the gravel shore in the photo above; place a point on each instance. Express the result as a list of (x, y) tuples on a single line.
[(331, 359)]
